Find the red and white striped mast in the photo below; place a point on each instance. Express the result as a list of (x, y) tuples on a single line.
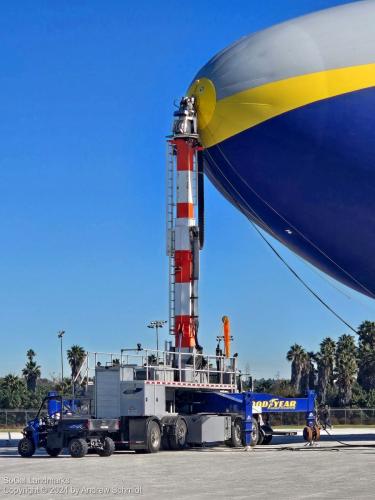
[(183, 231)]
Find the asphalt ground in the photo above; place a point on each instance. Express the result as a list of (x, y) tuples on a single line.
[(286, 469)]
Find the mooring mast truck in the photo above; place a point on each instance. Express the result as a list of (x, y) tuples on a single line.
[(168, 399), (178, 396)]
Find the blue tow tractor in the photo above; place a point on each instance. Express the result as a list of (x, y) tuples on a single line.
[(251, 414), (59, 424)]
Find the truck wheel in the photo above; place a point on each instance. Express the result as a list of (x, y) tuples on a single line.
[(177, 440), (235, 440), (108, 448), (78, 448), (261, 436), (308, 434), (53, 452), (153, 437), (165, 441), (266, 433), (267, 439), (26, 447), (316, 432), (255, 433)]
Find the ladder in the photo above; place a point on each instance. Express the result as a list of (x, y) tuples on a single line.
[(170, 231)]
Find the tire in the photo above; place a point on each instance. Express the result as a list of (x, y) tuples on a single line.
[(308, 434), (267, 439), (255, 433), (78, 448), (108, 448), (153, 437), (261, 437), (266, 433), (235, 440), (165, 425), (316, 433), (165, 441), (177, 440), (53, 452), (26, 447)]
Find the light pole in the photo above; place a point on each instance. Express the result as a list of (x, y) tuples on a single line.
[(60, 335), (157, 324)]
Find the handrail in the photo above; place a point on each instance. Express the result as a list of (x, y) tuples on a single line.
[(159, 364)]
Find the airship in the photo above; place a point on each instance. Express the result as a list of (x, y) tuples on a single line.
[(286, 117)]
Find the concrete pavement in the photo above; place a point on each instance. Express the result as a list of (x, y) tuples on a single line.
[(285, 469)]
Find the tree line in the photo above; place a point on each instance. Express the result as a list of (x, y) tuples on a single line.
[(342, 371), (29, 389)]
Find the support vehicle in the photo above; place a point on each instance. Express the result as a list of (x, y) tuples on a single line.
[(57, 426)]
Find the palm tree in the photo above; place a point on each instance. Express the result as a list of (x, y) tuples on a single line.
[(30, 354), (31, 372), (325, 359), (307, 372), (366, 373), (11, 382), (76, 356), (64, 386), (346, 368), (312, 370), (366, 355), (296, 355), (13, 391), (366, 333)]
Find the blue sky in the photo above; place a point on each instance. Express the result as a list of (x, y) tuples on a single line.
[(86, 99)]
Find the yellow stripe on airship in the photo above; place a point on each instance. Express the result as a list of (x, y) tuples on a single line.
[(219, 120)]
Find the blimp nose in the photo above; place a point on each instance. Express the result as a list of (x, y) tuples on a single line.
[(284, 117), (203, 90)]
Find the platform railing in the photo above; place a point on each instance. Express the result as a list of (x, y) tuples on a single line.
[(166, 366)]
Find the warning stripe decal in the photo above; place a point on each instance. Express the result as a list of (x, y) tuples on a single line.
[(190, 384)]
